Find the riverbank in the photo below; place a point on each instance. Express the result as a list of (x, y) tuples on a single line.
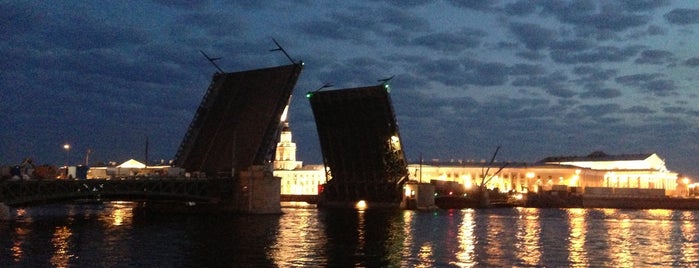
[(567, 200)]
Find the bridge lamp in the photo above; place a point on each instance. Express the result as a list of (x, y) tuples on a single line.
[(361, 205)]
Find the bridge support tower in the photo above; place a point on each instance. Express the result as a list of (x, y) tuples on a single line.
[(5, 212)]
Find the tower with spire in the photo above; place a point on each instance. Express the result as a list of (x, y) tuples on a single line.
[(285, 158)]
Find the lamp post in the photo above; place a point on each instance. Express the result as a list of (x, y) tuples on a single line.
[(67, 148)]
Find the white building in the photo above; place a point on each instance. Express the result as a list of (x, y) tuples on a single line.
[(297, 179), (627, 174), (619, 173)]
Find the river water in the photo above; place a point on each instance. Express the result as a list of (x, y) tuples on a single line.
[(118, 235)]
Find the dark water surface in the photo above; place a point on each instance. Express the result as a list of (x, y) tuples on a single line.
[(117, 235)]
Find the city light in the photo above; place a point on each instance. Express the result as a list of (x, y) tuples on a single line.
[(67, 148), (361, 205)]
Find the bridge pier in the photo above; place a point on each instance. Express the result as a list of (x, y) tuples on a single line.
[(259, 192), (5, 212)]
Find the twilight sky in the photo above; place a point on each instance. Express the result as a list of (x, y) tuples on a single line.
[(540, 78)]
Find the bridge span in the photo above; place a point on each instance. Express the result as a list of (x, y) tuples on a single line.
[(21, 193)]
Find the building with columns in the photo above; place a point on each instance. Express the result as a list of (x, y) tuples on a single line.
[(595, 174), (616, 174)]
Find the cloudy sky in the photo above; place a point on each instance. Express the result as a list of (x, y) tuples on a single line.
[(539, 78)]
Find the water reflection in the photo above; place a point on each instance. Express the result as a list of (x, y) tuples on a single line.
[(298, 240), (689, 237), (466, 256), (528, 231), (20, 234), (115, 235), (578, 231), (121, 214), (61, 245)]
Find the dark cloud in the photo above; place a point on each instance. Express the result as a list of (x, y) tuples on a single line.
[(542, 81), (485, 73), (446, 71), (520, 8), (482, 5), (602, 16), (406, 3), (561, 92), (552, 84), (692, 62), (570, 45), (609, 21), (532, 35), (84, 33), (362, 23), (593, 80), (655, 56), (637, 109), (212, 25), (185, 4), (637, 78), (643, 5), (350, 73), (527, 69), (674, 110), (600, 93), (595, 55), (652, 30), (662, 88), (531, 55), (602, 20), (591, 73), (650, 83), (656, 30), (682, 16), (463, 72), (451, 42), (503, 45), (597, 110)]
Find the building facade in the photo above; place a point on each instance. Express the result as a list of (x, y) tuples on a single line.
[(618, 173), (595, 174), (296, 179)]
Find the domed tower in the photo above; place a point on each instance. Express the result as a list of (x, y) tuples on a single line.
[(285, 158)]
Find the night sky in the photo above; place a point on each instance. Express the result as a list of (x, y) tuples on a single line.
[(538, 78)]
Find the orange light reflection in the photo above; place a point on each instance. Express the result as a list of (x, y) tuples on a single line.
[(297, 240), (17, 251), (528, 233), (689, 230), (467, 240), (578, 227), (61, 244)]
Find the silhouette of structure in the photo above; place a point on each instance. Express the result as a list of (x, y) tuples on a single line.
[(237, 124), (361, 146)]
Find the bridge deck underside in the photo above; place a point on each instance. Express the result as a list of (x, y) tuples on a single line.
[(238, 120), (355, 128)]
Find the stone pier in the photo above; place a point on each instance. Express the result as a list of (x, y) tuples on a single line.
[(419, 196), (258, 191), (5, 212)]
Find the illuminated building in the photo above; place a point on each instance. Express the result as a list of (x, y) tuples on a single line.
[(285, 157), (624, 173), (597, 173), (297, 179)]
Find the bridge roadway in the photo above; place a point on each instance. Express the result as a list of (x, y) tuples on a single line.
[(17, 193)]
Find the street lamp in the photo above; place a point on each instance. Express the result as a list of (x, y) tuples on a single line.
[(67, 148)]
